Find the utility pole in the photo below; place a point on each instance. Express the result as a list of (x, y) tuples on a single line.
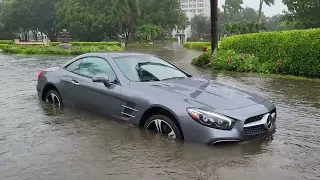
[(214, 24)]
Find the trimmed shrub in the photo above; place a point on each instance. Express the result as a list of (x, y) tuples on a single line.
[(3, 46), (54, 43), (88, 43), (196, 45), (173, 39), (203, 60), (52, 50), (295, 52), (6, 42), (95, 43), (231, 61)]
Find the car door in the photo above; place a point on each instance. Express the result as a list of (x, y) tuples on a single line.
[(69, 90), (91, 96)]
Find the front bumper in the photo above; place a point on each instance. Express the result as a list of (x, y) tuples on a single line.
[(210, 136), (242, 131)]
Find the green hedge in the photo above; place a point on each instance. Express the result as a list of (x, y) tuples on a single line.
[(88, 43), (171, 39), (4, 46), (196, 45), (294, 52), (51, 50), (6, 42)]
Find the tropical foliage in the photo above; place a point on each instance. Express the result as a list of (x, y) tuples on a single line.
[(53, 50), (88, 20), (295, 52), (305, 12)]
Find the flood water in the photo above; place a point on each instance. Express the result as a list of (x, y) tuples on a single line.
[(38, 142)]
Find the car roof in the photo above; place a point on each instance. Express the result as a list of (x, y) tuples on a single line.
[(107, 55), (114, 54)]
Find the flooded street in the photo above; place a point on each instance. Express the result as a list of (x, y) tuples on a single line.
[(37, 142)]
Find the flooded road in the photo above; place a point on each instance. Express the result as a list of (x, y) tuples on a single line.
[(37, 142)]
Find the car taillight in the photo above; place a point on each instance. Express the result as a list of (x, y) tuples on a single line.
[(39, 75)]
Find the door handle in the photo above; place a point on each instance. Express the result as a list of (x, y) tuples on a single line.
[(74, 82)]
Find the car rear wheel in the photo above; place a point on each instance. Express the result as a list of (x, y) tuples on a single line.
[(53, 97), (164, 125)]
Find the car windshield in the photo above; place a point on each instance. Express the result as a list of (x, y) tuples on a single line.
[(143, 68)]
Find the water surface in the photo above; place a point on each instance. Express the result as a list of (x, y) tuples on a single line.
[(38, 142)]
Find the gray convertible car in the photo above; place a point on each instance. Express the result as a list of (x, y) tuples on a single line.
[(151, 93)]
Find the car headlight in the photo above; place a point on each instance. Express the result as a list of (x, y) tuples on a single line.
[(211, 119)]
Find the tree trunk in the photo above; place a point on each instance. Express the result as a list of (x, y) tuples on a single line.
[(127, 37), (25, 34), (260, 11), (35, 34), (214, 25), (225, 14), (51, 35)]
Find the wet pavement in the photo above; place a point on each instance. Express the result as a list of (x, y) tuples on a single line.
[(38, 142)]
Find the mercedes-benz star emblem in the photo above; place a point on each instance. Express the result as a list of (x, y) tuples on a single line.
[(268, 124)]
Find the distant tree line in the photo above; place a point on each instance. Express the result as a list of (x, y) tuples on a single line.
[(235, 19), (91, 20)]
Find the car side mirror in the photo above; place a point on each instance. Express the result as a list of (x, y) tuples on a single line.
[(101, 79)]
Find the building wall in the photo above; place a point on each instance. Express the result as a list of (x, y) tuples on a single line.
[(192, 8)]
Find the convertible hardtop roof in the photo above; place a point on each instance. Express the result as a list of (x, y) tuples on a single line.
[(115, 54), (106, 55)]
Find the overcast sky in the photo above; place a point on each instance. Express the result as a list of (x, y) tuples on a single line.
[(268, 11)]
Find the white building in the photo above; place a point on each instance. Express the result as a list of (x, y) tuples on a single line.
[(192, 8)]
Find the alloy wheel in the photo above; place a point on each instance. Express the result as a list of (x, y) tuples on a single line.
[(53, 99), (163, 127)]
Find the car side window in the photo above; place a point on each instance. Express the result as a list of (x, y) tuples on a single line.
[(91, 66), (74, 67)]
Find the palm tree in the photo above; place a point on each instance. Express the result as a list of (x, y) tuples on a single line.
[(214, 24), (233, 7), (127, 12), (267, 2)]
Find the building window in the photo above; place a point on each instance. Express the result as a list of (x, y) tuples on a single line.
[(184, 6), (200, 5), (192, 5), (200, 10), (200, 0)]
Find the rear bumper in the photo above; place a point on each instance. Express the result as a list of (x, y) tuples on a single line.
[(39, 90)]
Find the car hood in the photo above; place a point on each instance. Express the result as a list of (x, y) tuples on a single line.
[(201, 92)]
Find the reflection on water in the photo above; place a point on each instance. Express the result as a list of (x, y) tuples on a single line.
[(40, 142)]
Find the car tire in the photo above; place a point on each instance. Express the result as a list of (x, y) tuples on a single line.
[(164, 125), (53, 97)]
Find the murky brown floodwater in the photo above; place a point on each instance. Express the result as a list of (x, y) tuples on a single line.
[(38, 143)]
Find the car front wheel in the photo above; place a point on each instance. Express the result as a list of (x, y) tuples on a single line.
[(164, 125)]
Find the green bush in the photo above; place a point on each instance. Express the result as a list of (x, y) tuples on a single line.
[(171, 39), (231, 61), (6, 42), (196, 45), (54, 43), (3, 46), (95, 43), (203, 60), (295, 52), (52, 50), (88, 43)]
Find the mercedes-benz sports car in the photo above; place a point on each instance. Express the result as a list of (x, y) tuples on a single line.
[(149, 92)]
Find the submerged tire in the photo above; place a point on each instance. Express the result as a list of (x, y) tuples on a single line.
[(164, 125), (53, 97)]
